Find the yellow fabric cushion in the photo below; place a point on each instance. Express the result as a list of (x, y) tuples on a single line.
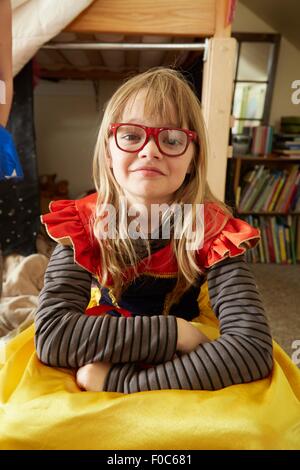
[(42, 408)]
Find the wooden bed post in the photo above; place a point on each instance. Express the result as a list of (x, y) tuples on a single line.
[(218, 73), (218, 76)]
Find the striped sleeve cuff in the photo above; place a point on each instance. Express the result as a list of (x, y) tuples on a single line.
[(116, 377)]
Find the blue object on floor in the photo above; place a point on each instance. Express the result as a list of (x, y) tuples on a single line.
[(10, 166)]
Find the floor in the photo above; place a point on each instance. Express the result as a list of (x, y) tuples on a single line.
[(279, 286)]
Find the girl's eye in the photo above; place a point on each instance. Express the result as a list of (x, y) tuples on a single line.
[(133, 137), (172, 142), (173, 138)]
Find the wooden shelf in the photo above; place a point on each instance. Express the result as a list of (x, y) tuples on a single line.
[(239, 159)]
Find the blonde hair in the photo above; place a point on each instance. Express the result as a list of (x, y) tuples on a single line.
[(162, 86)]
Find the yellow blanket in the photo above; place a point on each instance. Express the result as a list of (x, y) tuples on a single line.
[(42, 408)]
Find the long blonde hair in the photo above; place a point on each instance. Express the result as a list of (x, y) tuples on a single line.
[(163, 86)]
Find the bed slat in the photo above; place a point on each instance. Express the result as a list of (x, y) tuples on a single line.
[(163, 17)]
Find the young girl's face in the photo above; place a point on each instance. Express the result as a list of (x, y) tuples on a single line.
[(148, 187)]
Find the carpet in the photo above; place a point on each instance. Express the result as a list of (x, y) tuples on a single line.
[(279, 286)]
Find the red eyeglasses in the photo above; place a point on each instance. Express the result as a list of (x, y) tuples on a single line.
[(170, 141)]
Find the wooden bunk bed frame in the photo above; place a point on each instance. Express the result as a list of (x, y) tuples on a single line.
[(178, 18)]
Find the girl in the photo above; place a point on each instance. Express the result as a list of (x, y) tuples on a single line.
[(151, 149)]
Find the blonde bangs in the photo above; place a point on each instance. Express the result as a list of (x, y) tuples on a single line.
[(165, 93)]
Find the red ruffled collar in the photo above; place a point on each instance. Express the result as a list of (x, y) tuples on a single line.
[(69, 222)]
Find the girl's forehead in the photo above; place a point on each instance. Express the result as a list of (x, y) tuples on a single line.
[(142, 107)]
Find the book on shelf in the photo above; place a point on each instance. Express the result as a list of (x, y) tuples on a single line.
[(270, 190), (289, 225), (275, 238), (253, 178), (262, 224), (256, 191), (293, 194), (261, 200), (284, 195), (282, 247), (262, 140), (280, 239), (270, 241), (237, 196), (296, 200), (259, 247), (278, 190), (287, 244)]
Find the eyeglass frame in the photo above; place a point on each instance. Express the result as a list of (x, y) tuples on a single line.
[(191, 136)]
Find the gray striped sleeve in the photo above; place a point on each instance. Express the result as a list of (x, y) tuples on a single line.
[(242, 353), (66, 337)]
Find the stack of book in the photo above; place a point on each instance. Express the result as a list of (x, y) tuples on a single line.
[(290, 124), (270, 190), (287, 141), (287, 145), (262, 140)]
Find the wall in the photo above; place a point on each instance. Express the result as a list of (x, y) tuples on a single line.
[(67, 123), (288, 67)]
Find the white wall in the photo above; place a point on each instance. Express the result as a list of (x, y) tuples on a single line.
[(67, 123), (288, 67), (288, 71)]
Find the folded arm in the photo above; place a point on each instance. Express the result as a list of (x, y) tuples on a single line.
[(66, 337), (243, 352)]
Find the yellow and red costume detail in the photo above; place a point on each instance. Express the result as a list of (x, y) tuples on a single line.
[(47, 402), (69, 222)]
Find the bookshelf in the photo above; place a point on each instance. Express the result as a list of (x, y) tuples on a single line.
[(266, 195)]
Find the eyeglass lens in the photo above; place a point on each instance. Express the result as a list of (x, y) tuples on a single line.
[(132, 138)]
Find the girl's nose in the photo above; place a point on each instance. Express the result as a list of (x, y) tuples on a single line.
[(150, 150)]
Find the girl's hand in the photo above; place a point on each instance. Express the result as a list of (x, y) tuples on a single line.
[(189, 337), (91, 377)]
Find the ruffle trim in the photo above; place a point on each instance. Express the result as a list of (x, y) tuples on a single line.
[(233, 240), (67, 225)]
